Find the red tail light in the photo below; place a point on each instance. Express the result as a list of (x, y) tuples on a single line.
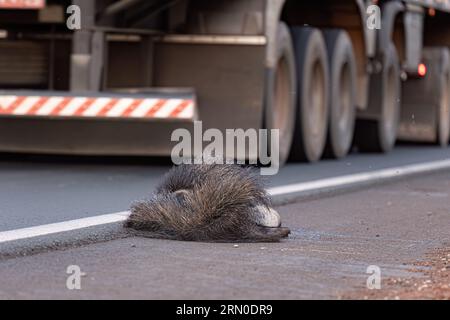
[(422, 70)]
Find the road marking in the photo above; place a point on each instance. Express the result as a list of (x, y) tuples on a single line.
[(297, 188), (360, 178), (48, 229)]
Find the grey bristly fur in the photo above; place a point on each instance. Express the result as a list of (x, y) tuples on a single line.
[(209, 202)]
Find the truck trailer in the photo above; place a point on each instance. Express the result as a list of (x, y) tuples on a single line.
[(326, 73)]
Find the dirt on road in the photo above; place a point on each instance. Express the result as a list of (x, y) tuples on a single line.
[(432, 281)]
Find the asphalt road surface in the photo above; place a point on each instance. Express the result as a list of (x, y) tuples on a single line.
[(396, 226), (333, 242)]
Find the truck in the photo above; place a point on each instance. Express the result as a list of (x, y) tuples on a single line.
[(330, 75)]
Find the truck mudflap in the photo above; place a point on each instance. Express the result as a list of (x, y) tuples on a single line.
[(425, 103), (138, 123)]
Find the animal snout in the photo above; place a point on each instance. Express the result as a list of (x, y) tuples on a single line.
[(267, 217)]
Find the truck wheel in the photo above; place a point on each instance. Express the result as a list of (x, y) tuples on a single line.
[(342, 64), (281, 94), (380, 135), (313, 94)]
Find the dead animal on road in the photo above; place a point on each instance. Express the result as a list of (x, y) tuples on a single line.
[(211, 203)]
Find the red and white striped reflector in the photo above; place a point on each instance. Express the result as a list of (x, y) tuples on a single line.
[(22, 4), (97, 107)]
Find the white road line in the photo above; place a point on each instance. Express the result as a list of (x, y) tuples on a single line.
[(48, 229), (317, 185), (359, 178)]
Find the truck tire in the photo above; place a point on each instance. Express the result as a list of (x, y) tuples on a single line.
[(281, 94), (380, 135), (342, 64), (312, 94)]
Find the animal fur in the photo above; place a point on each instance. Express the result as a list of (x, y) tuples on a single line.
[(210, 202)]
